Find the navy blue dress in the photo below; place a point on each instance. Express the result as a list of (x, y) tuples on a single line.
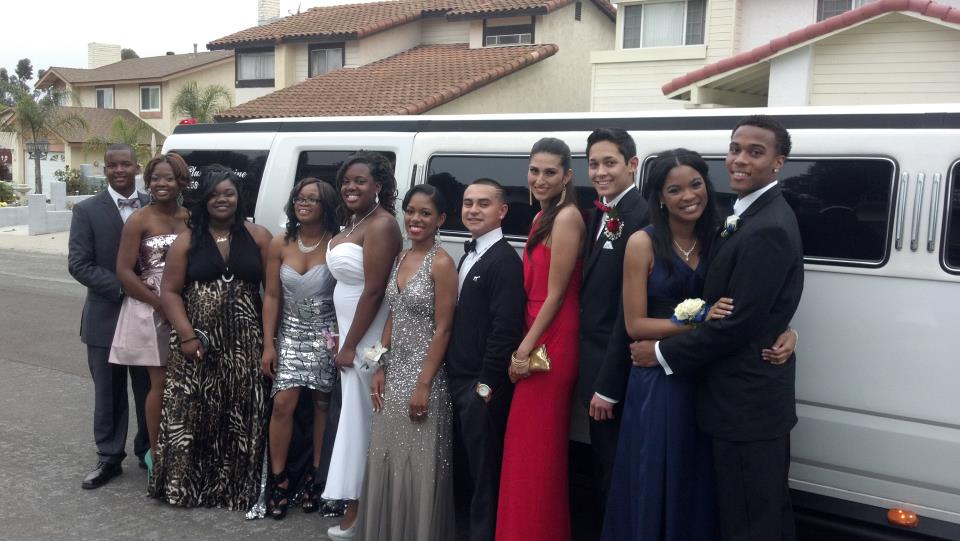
[(662, 485)]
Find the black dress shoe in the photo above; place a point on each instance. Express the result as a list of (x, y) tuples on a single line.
[(101, 475)]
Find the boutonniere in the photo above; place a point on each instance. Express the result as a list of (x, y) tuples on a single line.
[(612, 225), (730, 226)]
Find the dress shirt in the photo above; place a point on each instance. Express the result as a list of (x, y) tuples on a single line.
[(739, 206), (484, 242), (126, 211), (612, 203)]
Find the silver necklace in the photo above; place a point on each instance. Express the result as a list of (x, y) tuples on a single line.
[(357, 224), (686, 253), (307, 249)]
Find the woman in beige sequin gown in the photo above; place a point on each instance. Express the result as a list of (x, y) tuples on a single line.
[(408, 487)]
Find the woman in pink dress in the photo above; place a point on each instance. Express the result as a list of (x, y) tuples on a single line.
[(533, 503), (142, 337)]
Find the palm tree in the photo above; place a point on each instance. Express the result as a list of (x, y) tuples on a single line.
[(201, 103), (34, 117), (122, 131)]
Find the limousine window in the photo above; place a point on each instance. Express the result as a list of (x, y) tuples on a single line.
[(843, 205), (247, 164), (452, 174), (951, 252), (324, 164)]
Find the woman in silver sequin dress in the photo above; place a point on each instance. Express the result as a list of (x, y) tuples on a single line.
[(408, 487), (143, 334), (298, 306)]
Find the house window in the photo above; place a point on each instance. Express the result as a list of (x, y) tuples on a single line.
[(104, 98), (829, 8), (255, 68), (150, 98), (664, 24), (509, 34), (325, 58)]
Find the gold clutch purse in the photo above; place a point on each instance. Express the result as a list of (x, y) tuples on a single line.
[(539, 360)]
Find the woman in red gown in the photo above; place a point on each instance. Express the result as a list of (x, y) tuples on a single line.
[(534, 503)]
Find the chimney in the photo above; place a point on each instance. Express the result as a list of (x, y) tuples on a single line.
[(267, 11), (101, 54)]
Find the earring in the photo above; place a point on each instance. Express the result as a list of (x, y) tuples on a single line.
[(530, 196), (776, 169), (661, 204), (563, 195)]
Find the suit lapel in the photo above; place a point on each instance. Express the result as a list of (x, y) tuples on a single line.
[(752, 210), (111, 212), (624, 209)]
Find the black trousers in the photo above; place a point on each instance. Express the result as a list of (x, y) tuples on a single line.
[(603, 445), (752, 493), (481, 427), (110, 410)]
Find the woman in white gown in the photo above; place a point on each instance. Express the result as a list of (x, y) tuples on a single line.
[(360, 258)]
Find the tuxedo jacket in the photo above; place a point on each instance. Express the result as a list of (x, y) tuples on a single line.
[(742, 397), (488, 322), (92, 260), (605, 360)]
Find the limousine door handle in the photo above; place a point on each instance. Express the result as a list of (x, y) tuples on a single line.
[(934, 208), (917, 208), (901, 209)]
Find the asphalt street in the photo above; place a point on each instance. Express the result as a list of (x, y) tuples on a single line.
[(46, 440)]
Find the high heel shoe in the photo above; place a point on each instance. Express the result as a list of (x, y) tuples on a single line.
[(279, 497), (336, 533), (309, 502)]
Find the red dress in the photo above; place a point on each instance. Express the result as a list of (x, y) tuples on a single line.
[(534, 502)]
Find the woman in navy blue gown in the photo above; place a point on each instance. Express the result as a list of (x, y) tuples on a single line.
[(662, 484)]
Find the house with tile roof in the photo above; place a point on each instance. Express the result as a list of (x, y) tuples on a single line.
[(736, 53), (144, 86), (68, 147), (412, 56)]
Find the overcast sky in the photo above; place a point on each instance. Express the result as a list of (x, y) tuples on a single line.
[(56, 32)]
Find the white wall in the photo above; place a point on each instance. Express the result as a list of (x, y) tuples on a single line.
[(790, 79), (764, 20), (438, 30), (388, 43), (246, 94)]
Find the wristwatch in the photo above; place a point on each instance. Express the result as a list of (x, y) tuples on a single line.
[(484, 390)]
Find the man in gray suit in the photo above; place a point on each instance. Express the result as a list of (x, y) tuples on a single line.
[(92, 260)]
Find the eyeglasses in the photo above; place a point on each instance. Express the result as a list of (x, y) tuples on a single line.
[(306, 201)]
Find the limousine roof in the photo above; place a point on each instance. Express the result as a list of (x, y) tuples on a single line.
[(919, 116)]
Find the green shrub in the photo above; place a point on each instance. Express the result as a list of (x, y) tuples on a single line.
[(7, 194), (74, 180)]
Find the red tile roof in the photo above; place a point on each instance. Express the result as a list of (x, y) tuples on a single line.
[(408, 83), (927, 8), (354, 21)]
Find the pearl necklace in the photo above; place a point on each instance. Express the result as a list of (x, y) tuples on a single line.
[(686, 253), (357, 224), (307, 249)]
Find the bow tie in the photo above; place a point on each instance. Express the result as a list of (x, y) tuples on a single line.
[(133, 202), (470, 245)]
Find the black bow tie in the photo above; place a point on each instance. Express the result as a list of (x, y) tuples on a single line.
[(470, 245)]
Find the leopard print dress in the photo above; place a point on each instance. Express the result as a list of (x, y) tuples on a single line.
[(212, 425)]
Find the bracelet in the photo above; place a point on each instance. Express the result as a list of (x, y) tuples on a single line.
[(519, 364), (191, 339)]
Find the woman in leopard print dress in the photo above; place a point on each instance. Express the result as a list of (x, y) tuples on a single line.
[(210, 448)]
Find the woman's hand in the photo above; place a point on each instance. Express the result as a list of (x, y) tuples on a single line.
[(418, 402), (522, 372), (268, 363), (345, 357), (376, 390), (782, 348), (192, 349), (720, 309)]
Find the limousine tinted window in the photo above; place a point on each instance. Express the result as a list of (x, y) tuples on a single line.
[(452, 174), (843, 205), (247, 164), (951, 253), (324, 164)]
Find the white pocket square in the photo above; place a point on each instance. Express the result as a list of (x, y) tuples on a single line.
[(608, 245)]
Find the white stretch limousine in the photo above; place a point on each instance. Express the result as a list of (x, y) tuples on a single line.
[(877, 195)]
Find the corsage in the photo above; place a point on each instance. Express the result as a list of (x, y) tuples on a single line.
[(375, 355), (691, 312)]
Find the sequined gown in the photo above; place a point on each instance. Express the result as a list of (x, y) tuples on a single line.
[(307, 324), (408, 492), (142, 336)]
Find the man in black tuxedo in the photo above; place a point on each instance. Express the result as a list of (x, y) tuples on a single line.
[(604, 360), (92, 261), (746, 404), (487, 328)]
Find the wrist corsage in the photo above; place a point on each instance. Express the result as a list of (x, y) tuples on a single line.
[(690, 312), (375, 355)]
